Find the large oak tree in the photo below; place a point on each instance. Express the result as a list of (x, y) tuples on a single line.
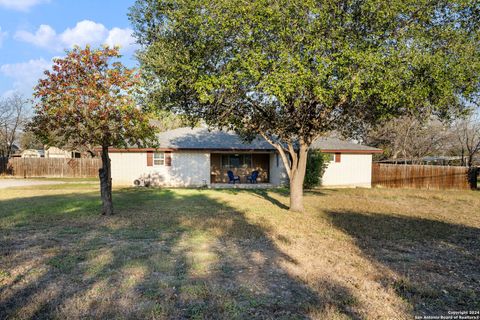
[(87, 102), (294, 70)]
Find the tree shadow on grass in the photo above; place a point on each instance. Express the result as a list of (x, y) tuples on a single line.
[(435, 264), (266, 194), (166, 254), (261, 193), (283, 192)]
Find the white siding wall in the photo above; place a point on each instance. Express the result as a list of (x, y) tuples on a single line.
[(353, 170), (190, 168), (54, 152), (193, 169), (278, 175), (187, 169)]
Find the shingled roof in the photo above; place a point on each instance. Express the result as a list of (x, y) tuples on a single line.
[(334, 144), (205, 139)]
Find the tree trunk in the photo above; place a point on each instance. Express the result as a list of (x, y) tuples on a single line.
[(296, 192), (297, 177), (295, 163), (470, 160), (105, 175)]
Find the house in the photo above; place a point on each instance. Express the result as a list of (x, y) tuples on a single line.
[(32, 153), (50, 152), (15, 151), (199, 157), (54, 152)]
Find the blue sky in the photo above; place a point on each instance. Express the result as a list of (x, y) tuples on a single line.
[(32, 32)]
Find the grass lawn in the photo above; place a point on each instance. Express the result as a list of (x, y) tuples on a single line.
[(179, 253)]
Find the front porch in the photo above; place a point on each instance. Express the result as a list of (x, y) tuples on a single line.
[(242, 164), (242, 186)]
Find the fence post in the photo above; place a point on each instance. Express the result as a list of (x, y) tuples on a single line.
[(472, 177)]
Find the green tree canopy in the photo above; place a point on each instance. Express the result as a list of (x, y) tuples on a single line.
[(293, 70)]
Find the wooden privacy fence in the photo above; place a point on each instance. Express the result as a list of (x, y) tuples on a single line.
[(51, 167), (423, 176)]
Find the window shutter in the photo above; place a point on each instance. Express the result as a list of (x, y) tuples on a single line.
[(149, 158), (168, 158), (338, 157)]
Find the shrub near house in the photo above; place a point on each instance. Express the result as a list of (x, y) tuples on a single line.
[(317, 162)]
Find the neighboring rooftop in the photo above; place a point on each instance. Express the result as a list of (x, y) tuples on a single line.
[(203, 138), (335, 144)]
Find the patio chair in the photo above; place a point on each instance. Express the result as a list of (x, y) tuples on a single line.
[(253, 177), (232, 178)]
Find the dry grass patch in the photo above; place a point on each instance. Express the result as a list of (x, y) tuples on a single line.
[(230, 254)]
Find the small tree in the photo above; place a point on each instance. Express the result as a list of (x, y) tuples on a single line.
[(408, 138), (13, 117), (466, 132), (294, 70), (30, 141), (86, 102)]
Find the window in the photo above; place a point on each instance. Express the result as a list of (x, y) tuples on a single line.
[(247, 161), (236, 160), (158, 158), (330, 157), (338, 157)]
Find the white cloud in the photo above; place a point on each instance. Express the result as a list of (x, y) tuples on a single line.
[(120, 37), (25, 75), (3, 36), (85, 32), (44, 36), (21, 5)]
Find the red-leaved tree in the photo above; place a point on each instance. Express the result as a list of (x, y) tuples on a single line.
[(87, 102)]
